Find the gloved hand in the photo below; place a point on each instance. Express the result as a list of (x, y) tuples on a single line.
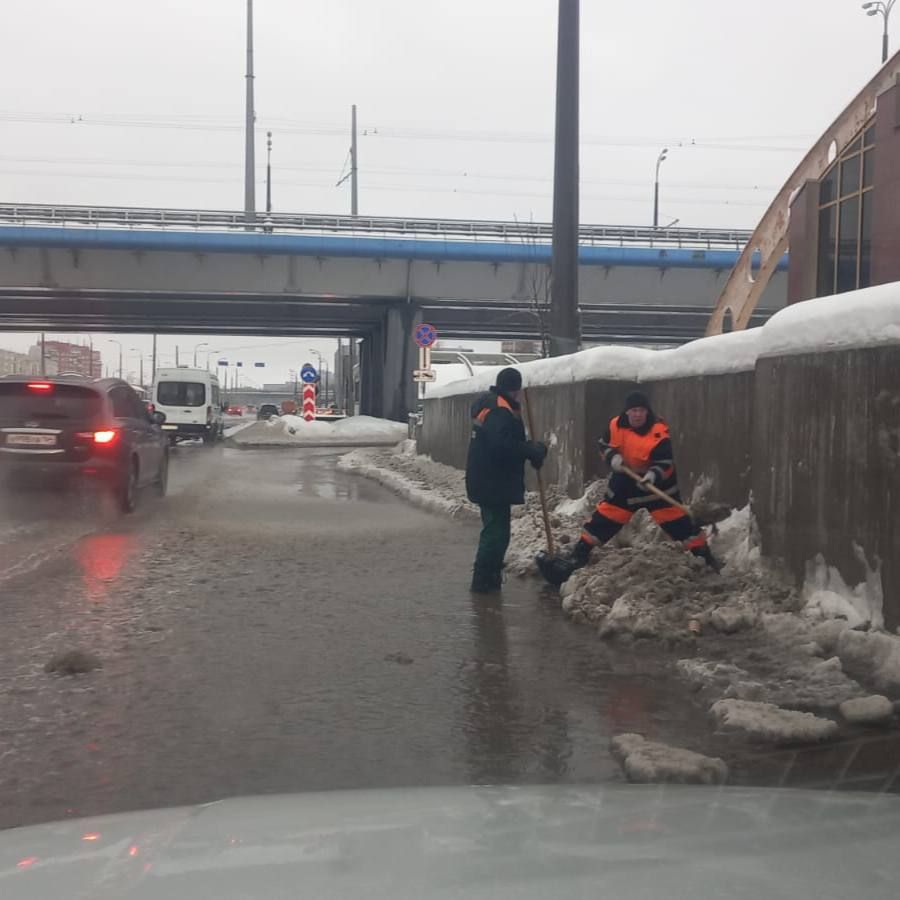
[(650, 477), (537, 453), (617, 462)]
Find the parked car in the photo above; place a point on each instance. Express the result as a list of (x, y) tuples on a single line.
[(192, 404), (266, 411), (57, 432)]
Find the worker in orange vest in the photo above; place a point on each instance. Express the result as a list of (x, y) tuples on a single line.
[(639, 440)]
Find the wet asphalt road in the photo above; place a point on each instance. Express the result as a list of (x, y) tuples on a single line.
[(277, 625)]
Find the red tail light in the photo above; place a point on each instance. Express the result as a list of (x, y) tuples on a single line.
[(40, 387), (104, 438)]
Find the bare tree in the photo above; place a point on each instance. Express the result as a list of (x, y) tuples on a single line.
[(537, 289)]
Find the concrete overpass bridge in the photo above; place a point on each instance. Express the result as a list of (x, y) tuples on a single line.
[(183, 271)]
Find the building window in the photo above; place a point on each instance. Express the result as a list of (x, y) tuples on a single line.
[(845, 218)]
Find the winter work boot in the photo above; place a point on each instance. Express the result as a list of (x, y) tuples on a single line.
[(485, 582), (558, 569), (705, 554)]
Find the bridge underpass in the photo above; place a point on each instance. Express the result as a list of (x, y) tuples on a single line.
[(370, 279)]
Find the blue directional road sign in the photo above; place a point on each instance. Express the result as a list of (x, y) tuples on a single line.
[(308, 374)]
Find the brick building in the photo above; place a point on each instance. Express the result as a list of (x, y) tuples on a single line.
[(62, 357), (12, 363)]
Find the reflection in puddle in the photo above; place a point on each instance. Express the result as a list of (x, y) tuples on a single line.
[(102, 558)]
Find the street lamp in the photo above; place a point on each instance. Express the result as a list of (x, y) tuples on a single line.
[(321, 371), (141, 352), (663, 155), (114, 341), (881, 8), (208, 354), (196, 348)]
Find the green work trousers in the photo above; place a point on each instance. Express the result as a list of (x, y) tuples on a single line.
[(494, 540)]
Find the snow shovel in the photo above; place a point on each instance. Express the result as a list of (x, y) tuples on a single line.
[(709, 516), (655, 490), (551, 548)]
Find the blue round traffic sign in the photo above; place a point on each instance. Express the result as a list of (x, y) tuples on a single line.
[(308, 374), (425, 335)]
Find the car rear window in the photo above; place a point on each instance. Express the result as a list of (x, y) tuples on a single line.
[(181, 393), (20, 404)]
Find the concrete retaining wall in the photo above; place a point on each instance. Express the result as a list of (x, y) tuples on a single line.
[(815, 437), (827, 463)]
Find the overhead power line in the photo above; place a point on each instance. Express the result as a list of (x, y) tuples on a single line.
[(288, 126)]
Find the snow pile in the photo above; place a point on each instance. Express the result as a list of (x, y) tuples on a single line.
[(649, 587), (647, 762), (785, 676), (566, 518), (737, 541), (872, 656), (767, 722), (870, 317), (827, 596), (286, 431), (874, 710), (419, 479)]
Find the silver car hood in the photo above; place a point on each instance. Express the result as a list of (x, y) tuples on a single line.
[(619, 842)]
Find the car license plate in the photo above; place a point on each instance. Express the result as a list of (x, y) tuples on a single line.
[(170, 427), (31, 440)]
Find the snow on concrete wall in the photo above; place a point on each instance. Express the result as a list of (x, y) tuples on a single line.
[(802, 414), (866, 318)]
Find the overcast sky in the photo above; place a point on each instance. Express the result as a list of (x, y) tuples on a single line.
[(136, 103)]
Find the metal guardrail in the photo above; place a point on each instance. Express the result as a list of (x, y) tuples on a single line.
[(23, 214)]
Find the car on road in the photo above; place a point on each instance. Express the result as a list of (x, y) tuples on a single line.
[(192, 403), (57, 432), (500, 841), (266, 411), (234, 411)]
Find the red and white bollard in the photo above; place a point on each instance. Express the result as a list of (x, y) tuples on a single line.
[(309, 402)]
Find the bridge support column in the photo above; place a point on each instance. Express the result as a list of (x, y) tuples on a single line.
[(387, 359), (371, 373), (400, 357)]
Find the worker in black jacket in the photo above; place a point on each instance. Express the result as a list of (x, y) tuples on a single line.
[(495, 472)]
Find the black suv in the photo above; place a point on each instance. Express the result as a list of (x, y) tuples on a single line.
[(266, 411), (65, 430)]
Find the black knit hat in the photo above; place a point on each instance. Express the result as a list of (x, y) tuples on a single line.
[(637, 398), (509, 380)]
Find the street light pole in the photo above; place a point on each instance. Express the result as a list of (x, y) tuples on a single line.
[(250, 142), (321, 366), (881, 8), (354, 166), (659, 161), (196, 348), (114, 341), (564, 325), (141, 358), (268, 172)]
